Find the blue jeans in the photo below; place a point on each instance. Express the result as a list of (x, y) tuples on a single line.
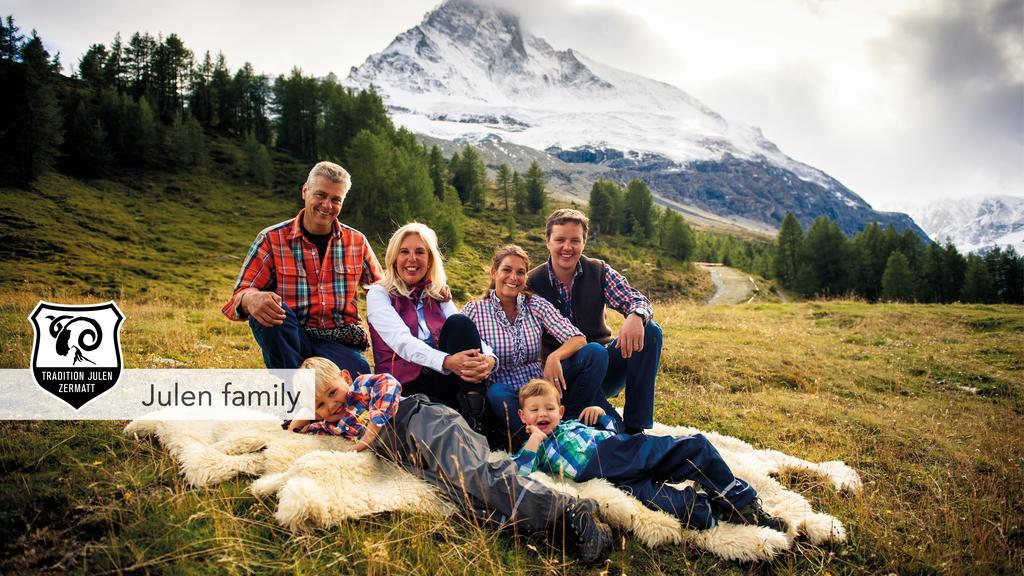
[(636, 374), (583, 372), (287, 345), (642, 465)]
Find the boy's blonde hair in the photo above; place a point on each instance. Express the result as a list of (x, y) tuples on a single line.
[(327, 372), (537, 387)]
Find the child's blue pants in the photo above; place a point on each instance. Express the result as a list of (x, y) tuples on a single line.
[(642, 464)]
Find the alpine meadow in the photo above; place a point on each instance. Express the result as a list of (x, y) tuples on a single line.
[(144, 177)]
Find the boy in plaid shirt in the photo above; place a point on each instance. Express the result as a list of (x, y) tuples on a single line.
[(353, 409), (639, 464)]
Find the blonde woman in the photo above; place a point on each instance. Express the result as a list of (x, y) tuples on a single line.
[(417, 333)]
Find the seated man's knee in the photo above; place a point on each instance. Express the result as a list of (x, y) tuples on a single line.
[(652, 334)]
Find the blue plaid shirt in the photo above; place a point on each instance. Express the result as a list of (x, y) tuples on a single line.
[(567, 450)]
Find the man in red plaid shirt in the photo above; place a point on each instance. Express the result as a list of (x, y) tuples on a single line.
[(299, 283)]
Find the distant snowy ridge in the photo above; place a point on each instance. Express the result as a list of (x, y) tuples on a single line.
[(468, 72), (973, 224)]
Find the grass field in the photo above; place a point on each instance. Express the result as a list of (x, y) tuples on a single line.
[(926, 402)]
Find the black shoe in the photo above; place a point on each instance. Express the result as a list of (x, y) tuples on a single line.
[(752, 514), (591, 537), (473, 407)]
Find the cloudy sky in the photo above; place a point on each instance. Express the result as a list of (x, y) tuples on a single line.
[(903, 101)]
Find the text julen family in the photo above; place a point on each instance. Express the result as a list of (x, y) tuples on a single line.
[(279, 396)]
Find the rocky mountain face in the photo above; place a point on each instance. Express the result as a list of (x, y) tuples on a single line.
[(974, 224), (471, 73)]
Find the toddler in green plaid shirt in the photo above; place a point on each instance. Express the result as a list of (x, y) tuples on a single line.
[(639, 464)]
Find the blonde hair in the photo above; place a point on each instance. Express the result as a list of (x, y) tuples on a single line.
[(327, 373), (393, 283), (537, 387)]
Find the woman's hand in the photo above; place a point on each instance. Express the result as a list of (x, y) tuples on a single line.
[(553, 371), (445, 293), (591, 414), (470, 365)]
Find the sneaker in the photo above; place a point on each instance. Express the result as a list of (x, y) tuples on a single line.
[(753, 513), (591, 537)]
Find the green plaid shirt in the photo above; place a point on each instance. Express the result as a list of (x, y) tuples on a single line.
[(567, 450)]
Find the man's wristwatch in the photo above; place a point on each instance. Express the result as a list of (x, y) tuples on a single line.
[(643, 317)]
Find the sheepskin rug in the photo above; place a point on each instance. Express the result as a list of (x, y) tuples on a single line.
[(318, 485)]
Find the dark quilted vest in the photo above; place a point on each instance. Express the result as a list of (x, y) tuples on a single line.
[(587, 301)]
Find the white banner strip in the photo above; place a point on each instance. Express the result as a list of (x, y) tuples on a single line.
[(169, 395)]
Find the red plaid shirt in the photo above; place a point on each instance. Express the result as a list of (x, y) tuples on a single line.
[(323, 296), (372, 398)]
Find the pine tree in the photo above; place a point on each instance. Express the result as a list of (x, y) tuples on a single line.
[(10, 40), (954, 266), (91, 68), (824, 249), (1012, 290), (677, 240), (503, 182), (789, 247), (536, 197), (638, 210), (36, 130), (438, 173), (519, 187), (929, 276), (86, 142), (258, 161), (978, 283), (897, 280), (602, 209), (470, 178)]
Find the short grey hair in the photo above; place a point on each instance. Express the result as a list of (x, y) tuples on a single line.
[(332, 172)]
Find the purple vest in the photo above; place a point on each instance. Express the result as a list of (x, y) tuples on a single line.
[(387, 360)]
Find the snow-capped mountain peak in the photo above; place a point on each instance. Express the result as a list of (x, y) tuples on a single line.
[(470, 71), (975, 223)]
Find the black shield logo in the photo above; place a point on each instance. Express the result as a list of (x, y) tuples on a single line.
[(77, 351)]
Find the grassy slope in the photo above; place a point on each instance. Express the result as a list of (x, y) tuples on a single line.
[(888, 389)]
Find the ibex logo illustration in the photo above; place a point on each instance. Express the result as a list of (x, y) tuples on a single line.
[(77, 351)]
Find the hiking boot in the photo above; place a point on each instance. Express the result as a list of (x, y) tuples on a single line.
[(753, 514), (591, 537)]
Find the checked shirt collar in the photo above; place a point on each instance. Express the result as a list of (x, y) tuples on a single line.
[(564, 293)]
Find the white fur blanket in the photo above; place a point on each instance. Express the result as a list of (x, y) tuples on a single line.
[(318, 485)]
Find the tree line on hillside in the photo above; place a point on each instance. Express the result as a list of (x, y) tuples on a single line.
[(149, 102), (883, 264)]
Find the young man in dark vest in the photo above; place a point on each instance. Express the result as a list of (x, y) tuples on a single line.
[(580, 288)]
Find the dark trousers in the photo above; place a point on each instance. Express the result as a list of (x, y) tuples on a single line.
[(285, 346), (636, 374), (642, 464), (431, 441), (458, 334)]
